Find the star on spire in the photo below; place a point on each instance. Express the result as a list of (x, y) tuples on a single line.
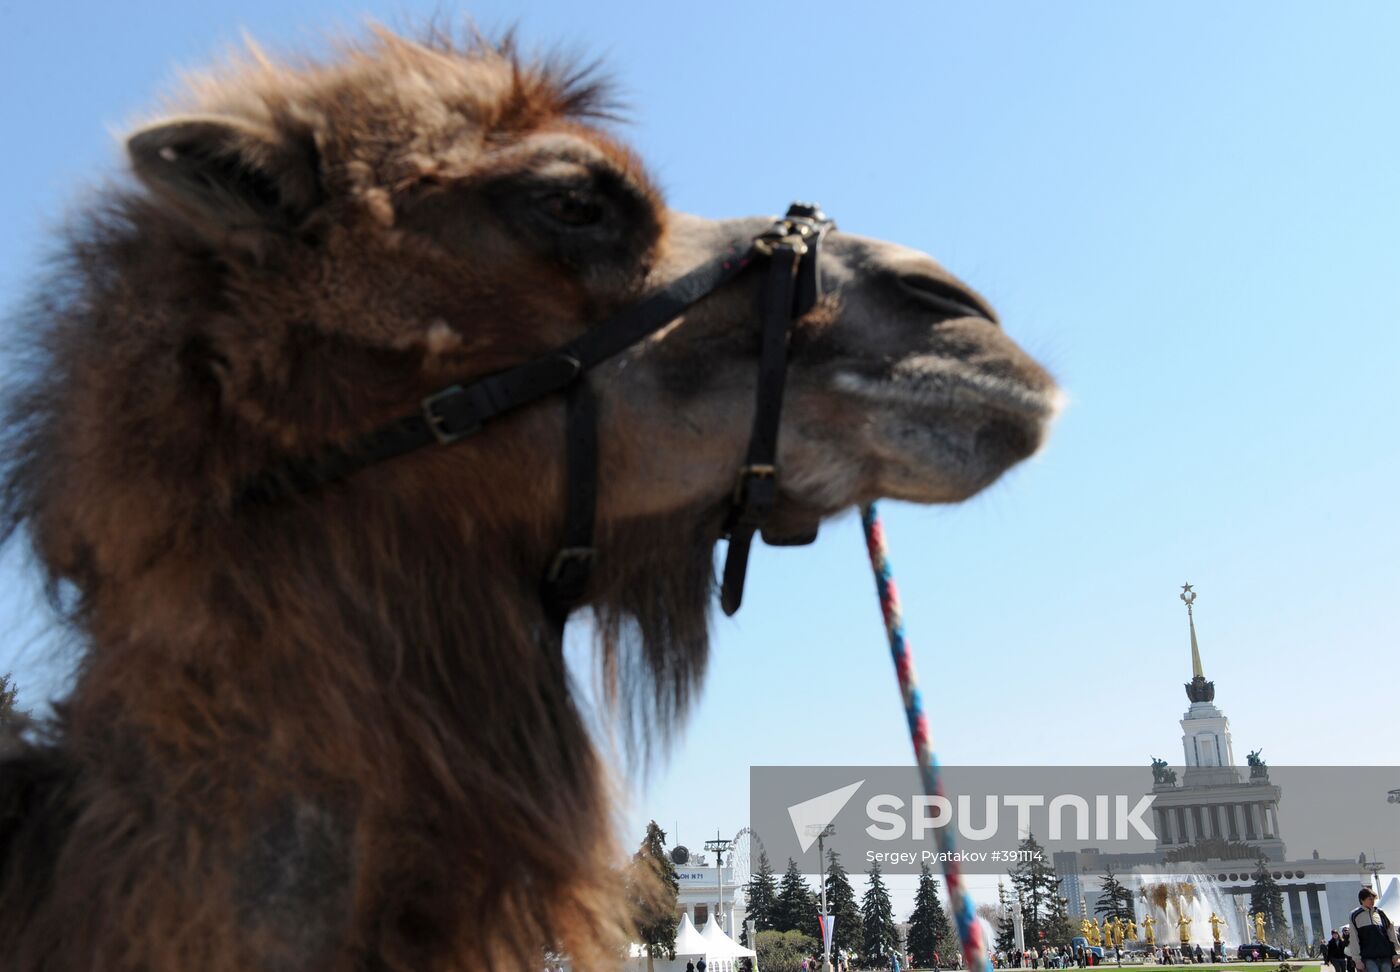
[(1198, 689)]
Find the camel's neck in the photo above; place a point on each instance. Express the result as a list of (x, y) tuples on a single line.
[(328, 649), (373, 714)]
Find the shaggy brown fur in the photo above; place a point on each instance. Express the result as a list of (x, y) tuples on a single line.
[(377, 764), (334, 732)]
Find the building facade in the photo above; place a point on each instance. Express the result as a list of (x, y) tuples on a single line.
[(1223, 816), (707, 890)]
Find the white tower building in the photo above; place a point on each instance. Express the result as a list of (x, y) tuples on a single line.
[(1214, 802)]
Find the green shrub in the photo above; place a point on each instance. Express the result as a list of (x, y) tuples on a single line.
[(784, 951)]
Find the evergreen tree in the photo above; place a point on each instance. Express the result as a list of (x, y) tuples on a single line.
[(929, 928), (792, 909), (877, 931), (1114, 901), (10, 713), (652, 889), (1006, 924), (761, 896), (841, 903), (1267, 897), (1035, 883)]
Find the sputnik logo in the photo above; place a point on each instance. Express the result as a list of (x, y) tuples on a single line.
[(810, 817)]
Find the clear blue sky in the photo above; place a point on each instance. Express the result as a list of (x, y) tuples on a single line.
[(1188, 210)]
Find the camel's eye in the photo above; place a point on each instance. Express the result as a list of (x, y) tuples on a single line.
[(574, 207)]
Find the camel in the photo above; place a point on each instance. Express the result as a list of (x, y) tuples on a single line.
[(334, 730)]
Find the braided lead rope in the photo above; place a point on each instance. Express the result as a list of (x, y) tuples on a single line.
[(974, 949)]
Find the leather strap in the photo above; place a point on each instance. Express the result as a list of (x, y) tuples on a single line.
[(791, 290), (457, 411), (757, 489), (566, 580)]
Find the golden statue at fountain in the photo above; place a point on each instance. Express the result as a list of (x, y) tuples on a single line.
[(1215, 922)]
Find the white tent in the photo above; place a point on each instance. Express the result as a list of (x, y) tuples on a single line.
[(1390, 900), (724, 952), (689, 940), (721, 945), (690, 945)]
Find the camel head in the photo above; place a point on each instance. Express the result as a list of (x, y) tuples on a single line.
[(433, 218)]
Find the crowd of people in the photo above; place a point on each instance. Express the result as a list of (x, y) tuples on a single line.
[(1054, 957), (1051, 957), (1367, 943)]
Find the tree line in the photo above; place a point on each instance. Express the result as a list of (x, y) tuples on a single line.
[(866, 929), (784, 910)]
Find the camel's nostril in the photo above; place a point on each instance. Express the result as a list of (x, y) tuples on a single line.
[(946, 298)]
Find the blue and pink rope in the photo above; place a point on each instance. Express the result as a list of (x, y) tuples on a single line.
[(974, 949)]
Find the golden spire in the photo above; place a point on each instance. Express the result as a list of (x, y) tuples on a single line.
[(1189, 596)]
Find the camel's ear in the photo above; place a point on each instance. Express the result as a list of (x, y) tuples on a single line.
[(231, 180)]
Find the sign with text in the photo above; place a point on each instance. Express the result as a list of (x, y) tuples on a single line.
[(1129, 816)]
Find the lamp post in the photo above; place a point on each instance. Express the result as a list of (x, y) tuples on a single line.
[(719, 846), (1375, 867), (821, 834)]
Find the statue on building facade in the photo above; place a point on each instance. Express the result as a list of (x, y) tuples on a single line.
[(1161, 775)]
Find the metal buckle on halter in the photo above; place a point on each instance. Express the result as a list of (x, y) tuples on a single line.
[(792, 233), (437, 422), (801, 223)]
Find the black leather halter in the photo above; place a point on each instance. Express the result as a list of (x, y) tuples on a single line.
[(791, 247)]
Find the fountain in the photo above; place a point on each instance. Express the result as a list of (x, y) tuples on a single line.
[(1194, 896)]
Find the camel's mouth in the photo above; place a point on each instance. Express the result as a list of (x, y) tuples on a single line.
[(926, 381), (948, 428)]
